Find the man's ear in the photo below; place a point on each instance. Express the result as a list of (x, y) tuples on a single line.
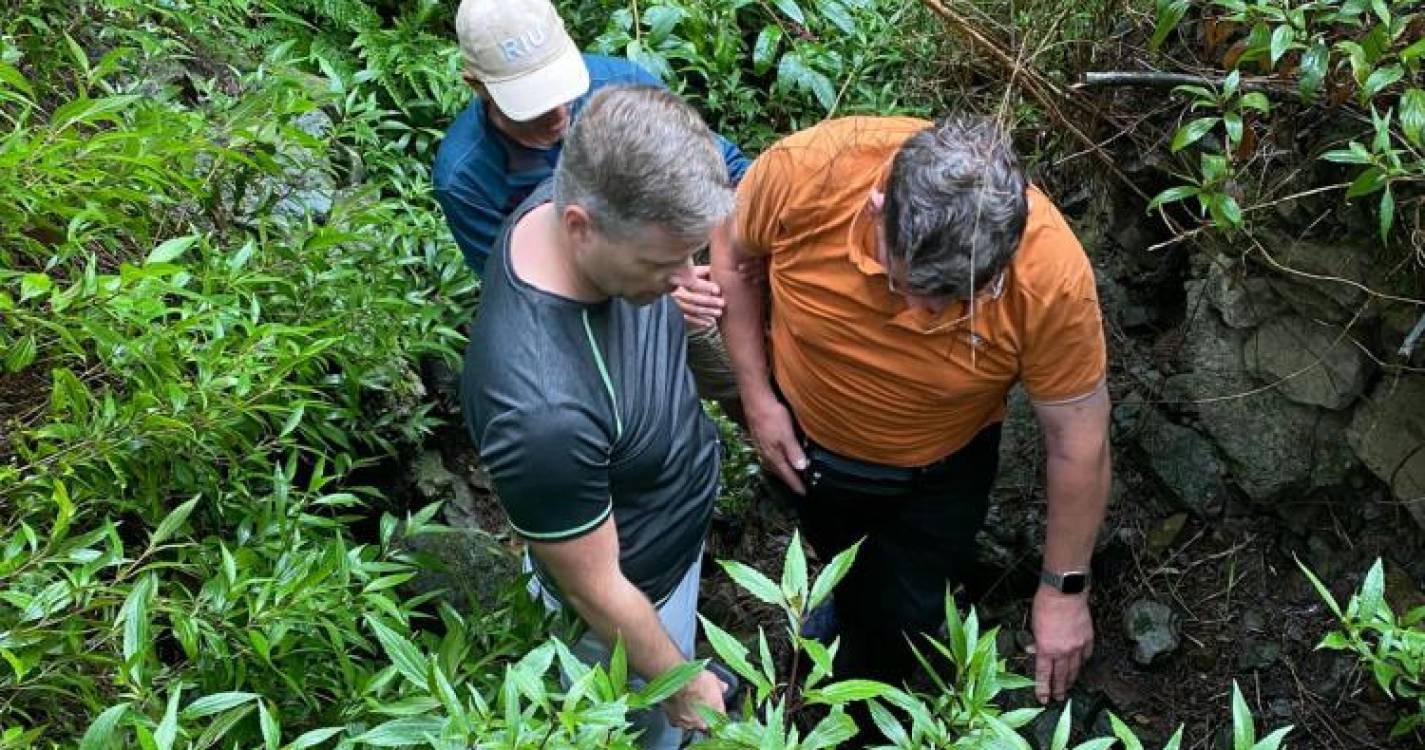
[(578, 224), (877, 200)]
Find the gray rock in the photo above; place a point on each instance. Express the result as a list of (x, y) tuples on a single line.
[(1329, 298), (1388, 433), (1270, 444), (1243, 301), (1181, 459), (1154, 629), (1310, 363), (1258, 653), (435, 483)]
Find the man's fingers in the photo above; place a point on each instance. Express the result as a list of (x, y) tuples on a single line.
[(1043, 676), (1064, 673)]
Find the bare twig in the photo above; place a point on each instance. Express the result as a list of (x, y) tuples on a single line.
[(1155, 78), (1408, 346)]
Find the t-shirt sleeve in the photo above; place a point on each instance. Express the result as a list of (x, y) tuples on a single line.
[(761, 198), (1065, 355), (549, 465)]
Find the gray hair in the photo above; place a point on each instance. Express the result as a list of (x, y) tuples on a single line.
[(639, 156), (955, 206)]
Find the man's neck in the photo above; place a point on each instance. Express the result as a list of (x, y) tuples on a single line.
[(542, 256)]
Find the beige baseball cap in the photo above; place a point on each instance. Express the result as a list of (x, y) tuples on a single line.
[(520, 51)]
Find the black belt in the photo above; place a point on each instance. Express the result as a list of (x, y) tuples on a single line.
[(833, 470)]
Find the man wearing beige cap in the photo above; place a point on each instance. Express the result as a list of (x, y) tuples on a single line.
[(531, 81)]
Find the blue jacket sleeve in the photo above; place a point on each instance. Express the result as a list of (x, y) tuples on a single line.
[(474, 225), (731, 154)]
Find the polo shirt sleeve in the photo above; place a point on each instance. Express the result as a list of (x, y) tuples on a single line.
[(761, 198), (1065, 356), (549, 465)]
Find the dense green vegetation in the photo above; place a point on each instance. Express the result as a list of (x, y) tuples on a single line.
[(220, 265)]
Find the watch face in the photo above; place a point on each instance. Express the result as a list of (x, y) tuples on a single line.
[(1074, 583)]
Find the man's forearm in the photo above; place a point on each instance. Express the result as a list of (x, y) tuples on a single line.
[(741, 323), (1078, 488), (620, 610)]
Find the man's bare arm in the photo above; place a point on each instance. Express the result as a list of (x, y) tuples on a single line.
[(587, 572)]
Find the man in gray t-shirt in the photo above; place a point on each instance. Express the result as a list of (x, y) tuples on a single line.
[(586, 417)]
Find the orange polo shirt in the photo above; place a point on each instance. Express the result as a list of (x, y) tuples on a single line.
[(870, 378)]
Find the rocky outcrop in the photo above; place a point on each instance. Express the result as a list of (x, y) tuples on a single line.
[(1388, 433), (1309, 363)]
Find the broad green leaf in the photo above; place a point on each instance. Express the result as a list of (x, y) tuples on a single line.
[(886, 723), (15, 79), (792, 10), (1380, 80), (408, 659), (314, 737), (33, 285), (1313, 68), (103, 733), (752, 581), (172, 522), (1244, 732), (837, 14), (1101, 743), (661, 20), (1355, 155), (1367, 182), (271, 729), (1233, 123), (22, 354), (834, 730), (665, 685), (1192, 132), (215, 703), (794, 573), (167, 731), (846, 691), (1124, 733), (1281, 42), (1256, 100), (1273, 740), (764, 52), (1170, 13), (1060, 740), (399, 732), (1387, 214), (170, 250), (831, 575), (731, 652), (135, 615), (1412, 116)]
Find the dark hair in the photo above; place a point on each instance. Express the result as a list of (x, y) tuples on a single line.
[(955, 207)]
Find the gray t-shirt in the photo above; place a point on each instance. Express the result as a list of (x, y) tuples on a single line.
[(581, 410)]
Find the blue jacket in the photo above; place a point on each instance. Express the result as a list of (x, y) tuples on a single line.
[(481, 176)]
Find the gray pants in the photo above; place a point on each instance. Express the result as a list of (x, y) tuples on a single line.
[(678, 614)]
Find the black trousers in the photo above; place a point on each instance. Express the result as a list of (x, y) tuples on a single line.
[(918, 542)]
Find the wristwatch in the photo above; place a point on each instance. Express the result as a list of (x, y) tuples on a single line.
[(1071, 582)]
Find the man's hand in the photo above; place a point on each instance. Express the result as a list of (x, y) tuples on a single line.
[(776, 440), (706, 690), (1063, 641), (699, 297)]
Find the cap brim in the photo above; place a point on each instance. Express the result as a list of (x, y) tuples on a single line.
[(563, 80)]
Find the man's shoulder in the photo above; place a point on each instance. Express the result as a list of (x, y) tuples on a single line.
[(611, 71), (461, 158), (1050, 261), (857, 144)]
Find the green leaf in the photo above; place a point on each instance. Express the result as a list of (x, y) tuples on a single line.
[(1313, 69), (1170, 13), (794, 574), (1273, 740), (732, 653), (833, 731), (215, 703), (753, 582), (1372, 591), (1367, 182), (409, 660), (399, 732), (104, 731), (886, 723), (135, 616), (1176, 741), (661, 20), (1192, 132), (1381, 79), (172, 522), (1387, 214), (15, 79), (1101, 743), (837, 14), (1356, 154), (1413, 52), (314, 737), (1233, 123), (665, 685), (831, 575), (1126, 735), (1244, 733), (1412, 116), (271, 729), (1256, 100), (791, 10), (170, 250), (1060, 740), (764, 52), (1281, 42), (22, 354), (1320, 587), (33, 285), (846, 691), (167, 731)]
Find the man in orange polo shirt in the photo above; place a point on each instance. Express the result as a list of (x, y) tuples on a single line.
[(915, 276)]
